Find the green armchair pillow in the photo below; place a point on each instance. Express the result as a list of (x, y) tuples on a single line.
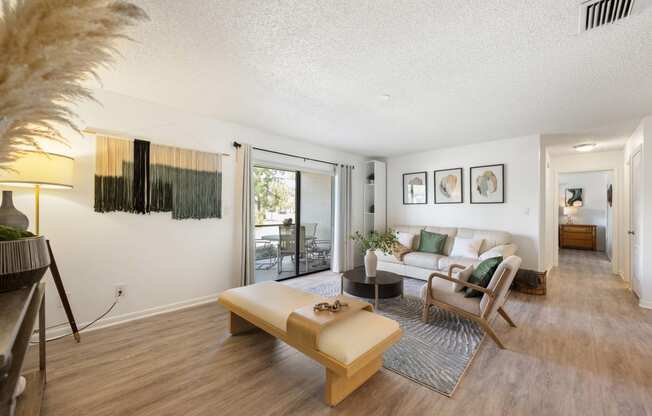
[(482, 275)]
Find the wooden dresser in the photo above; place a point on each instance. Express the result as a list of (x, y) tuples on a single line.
[(579, 236)]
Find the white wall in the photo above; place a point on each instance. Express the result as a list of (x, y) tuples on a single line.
[(519, 214), (642, 138), (594, 202), (586, 162), (164, 263)]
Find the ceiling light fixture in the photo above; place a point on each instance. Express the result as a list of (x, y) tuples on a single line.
[(385, 97), (584, 147)]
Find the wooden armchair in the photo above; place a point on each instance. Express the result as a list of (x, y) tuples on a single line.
[(438, 292)]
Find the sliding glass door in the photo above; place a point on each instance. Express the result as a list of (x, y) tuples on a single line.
[(286, 201)]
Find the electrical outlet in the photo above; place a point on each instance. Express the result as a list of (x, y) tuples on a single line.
[(120, 291)]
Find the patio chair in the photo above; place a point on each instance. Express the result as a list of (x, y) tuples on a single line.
[(287, 244), (438, 292)]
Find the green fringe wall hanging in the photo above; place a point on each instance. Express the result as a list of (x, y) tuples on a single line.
[(140, 177)]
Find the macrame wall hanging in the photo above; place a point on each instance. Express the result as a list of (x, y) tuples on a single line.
[(140, 177)]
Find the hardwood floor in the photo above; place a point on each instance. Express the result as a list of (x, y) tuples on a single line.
[(584, 349)]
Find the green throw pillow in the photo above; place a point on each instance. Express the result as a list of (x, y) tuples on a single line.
[(482, 275), (432, 242)]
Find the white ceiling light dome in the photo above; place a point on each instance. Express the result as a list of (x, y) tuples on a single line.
[(585, 147)]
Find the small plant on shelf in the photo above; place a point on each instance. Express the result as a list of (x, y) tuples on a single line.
[(375, 241), (371, 178)]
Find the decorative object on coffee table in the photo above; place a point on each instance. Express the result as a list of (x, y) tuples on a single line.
[(382, 286), (370, 243), (9, 215)]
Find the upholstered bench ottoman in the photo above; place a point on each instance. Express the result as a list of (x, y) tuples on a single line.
[(349, 344)]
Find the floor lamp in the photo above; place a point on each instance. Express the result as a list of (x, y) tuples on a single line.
[(41, 170)]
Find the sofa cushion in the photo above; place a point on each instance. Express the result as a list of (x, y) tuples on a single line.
[(405, 239), (464, 276), (424, 260), (444, 262), (443, 291), (490, 238), (430, 242), (412, 229), (451, 232), (387, 258), (503, 250), (466, 247), (347, 339)]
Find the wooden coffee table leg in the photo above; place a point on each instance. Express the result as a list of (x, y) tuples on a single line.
[(376, 296)]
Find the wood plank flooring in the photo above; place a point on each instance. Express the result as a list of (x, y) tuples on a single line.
[(584, 349)]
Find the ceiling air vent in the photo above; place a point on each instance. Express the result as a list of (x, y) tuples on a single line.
[(596, 13)]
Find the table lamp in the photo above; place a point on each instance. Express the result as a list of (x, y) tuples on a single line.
[(39, 170), (569, 212)]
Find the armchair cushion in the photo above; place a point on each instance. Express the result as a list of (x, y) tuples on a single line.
[(482, 275), (442, 292), (511, 262), (464, 276)]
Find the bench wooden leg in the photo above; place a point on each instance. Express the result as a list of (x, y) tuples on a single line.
[(238, 325), (338, 387)]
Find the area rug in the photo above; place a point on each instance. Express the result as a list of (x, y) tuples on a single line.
[(436, 354)]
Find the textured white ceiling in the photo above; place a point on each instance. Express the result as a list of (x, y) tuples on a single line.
[(457, 72), (606, 138)]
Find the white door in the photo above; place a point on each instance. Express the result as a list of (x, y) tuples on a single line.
[(636, 202)]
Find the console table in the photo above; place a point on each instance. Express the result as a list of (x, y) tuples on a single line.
[(18, 312), (579, 236)]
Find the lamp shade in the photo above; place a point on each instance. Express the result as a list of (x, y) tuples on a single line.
[(570, 210), (48, 170)]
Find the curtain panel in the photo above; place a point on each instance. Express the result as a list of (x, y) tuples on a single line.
[(244, 213), (343, 250)]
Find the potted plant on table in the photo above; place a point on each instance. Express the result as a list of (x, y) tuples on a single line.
[(370, 243)]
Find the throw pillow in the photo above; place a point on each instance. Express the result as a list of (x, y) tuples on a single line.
[(464, 276), (503, 250), (405, 239), (399, 251), (432, 242), (466, 247), (482, 275)]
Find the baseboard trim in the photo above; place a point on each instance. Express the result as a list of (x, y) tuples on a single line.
[(645, 304), (132, 316)]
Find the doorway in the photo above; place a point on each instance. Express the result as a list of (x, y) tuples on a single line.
[(585, 211), (287, 200), (634, 232)]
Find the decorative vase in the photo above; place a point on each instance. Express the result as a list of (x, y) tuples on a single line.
[(22, 262), (370, 263), (9, 215)]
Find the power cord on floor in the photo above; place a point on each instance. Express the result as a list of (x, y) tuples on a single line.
[(36, 331)]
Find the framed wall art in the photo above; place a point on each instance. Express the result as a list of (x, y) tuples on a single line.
[(448, 186), (488, 184), (415, 188)]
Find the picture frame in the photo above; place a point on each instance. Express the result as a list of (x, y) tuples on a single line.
[(487, 184), (415, 188), (449, 186)]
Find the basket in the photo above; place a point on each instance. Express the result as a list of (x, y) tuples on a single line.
[(22, 262)]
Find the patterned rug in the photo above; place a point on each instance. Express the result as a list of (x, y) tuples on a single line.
[(435, 355)]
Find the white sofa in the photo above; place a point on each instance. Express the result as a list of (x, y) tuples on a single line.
[(420, 265)]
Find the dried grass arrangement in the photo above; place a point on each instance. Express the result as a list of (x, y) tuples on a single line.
[(48, 48)]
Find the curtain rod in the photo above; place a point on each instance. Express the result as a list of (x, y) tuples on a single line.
[(92, 130), (237, 145)]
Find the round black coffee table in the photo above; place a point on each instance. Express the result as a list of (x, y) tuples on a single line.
[(384, 285)]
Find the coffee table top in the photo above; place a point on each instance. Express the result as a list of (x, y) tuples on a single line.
[(383, 277)]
